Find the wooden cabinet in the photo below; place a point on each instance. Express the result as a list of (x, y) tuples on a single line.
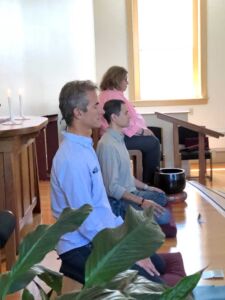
[(47, 144), (19, 190)]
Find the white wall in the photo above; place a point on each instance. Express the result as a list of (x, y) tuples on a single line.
[(111, 48), (213, 114), (44, 44), (110, 35)]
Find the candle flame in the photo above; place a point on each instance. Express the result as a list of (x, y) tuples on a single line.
[(8, 92), (20, 91)]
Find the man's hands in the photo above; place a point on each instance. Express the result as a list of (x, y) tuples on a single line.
[(158, 209), (148, 266), (155, 189)]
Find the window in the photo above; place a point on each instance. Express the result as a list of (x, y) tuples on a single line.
[(167, 47)]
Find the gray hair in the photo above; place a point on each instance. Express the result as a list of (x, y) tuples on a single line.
[(74, 95)]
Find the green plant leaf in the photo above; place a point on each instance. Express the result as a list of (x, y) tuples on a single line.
[(42, 293), (95, 293), (44, 239), (4, 278), (131, 284), (23, 280), (122, 246), (142, 288), (121, 280), (27, 295), (128, 284), (183, 288), (51, 278)]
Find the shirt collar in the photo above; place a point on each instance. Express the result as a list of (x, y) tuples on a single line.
[(116, 134), (83, 140)]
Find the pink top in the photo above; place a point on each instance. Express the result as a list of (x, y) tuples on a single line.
[(136, 120)]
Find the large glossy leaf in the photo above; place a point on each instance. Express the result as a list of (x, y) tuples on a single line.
[(4, 278), (142, 288), (115, 250), (128, 284), (121, 280), (44, 239), (23, 280), (27, 295), (183, 288), (95, 293), (133, 285), (51, 278), (42, 294)]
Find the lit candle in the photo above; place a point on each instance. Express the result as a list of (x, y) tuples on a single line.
[(9, 103), (20, 102)]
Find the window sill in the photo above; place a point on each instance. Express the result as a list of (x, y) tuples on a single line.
[(144, 110), (149, 103)]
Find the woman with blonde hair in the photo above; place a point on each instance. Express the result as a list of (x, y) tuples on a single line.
[(137, 135)]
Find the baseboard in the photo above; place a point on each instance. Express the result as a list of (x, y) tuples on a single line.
[(218, 155)]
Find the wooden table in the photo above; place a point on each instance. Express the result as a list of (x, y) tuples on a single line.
[(19, 190), (201, 242)]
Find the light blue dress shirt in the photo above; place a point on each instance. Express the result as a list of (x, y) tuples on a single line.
[(76, 179)]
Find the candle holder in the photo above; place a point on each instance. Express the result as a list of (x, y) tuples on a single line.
[(21, 116), (11, 120)]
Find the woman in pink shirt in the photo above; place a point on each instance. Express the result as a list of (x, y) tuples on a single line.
[(137, 135)]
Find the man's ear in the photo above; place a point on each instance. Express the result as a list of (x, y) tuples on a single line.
[(113, 117), (77, 113)]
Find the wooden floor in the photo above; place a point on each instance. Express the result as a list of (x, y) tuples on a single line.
[(201, 245)]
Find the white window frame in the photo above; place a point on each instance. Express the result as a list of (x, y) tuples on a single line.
[(199, 56)]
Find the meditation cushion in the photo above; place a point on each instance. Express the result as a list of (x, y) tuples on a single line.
[(7, 225), (174, 268)]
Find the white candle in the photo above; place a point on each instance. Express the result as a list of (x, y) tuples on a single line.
[(20, 102), (9, 103)]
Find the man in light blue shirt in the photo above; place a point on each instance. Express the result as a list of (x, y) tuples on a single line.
[(76, 176), (76, 179)]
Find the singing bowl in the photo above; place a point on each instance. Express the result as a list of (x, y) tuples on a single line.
[(170, 180)]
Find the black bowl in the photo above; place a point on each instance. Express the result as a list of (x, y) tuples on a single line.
[(170, 180)]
